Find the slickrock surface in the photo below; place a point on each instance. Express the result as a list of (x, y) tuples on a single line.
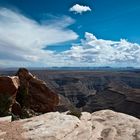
[(6, 119), (101, 125)]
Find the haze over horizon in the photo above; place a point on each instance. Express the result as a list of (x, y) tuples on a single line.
[(76, 33)]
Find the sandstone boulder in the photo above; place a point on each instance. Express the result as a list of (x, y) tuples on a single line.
[(34, 93), (8, 91), (6, 119), (9, 85), (101, 125)]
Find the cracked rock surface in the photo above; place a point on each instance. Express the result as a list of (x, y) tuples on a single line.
[(100, 125)]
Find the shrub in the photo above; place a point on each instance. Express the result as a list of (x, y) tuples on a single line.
[(74, 111)]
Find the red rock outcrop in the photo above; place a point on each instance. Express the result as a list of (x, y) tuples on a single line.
[(34, 93), (8, 91), (9, 85), (23, 92)]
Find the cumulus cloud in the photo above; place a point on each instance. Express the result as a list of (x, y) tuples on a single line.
[(79, 9), (22, 43), (23, 39), (98, 52)]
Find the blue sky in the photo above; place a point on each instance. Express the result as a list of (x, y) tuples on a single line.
[(47, 33)]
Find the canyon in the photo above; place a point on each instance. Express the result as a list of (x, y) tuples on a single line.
[(96, 90), (93, 90)]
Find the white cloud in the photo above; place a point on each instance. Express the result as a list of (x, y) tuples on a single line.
[(22, 41), (79, 9), (22, 38), (98, 52)]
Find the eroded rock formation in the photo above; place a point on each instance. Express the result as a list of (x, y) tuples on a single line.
[(9, 85), (8, 91), (101, 125), (25, 91), (37, 95)]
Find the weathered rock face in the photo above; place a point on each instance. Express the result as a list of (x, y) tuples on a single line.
[(24, 92), (8, 91), (97, 90), (9, 85), (34, 93), (101, 125)]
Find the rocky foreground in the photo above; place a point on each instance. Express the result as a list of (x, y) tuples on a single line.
[(100, 125)]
